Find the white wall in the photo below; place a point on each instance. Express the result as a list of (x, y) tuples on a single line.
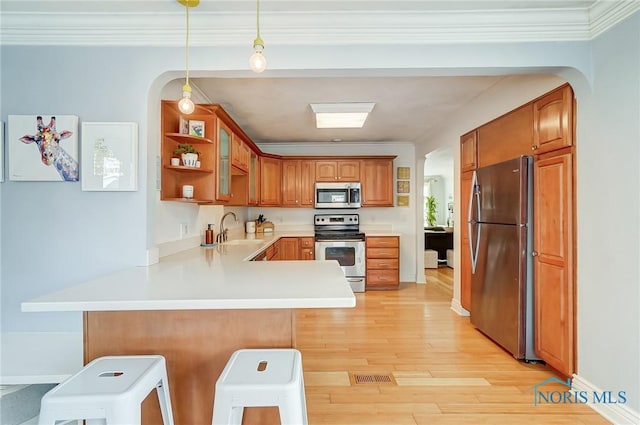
[(608, 175)]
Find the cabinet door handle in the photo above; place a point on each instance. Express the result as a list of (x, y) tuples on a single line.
[(534, 253), (534, 147)]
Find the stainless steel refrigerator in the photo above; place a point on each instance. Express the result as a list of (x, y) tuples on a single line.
[(500, 238)]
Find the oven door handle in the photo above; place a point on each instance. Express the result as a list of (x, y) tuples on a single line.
[(340, 240)]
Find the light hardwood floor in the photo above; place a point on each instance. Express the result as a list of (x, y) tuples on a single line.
[(445, 371)]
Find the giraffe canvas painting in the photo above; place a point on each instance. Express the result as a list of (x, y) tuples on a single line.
[(43, 147)]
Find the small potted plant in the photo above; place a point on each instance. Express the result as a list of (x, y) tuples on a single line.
[(432, 206), (188, 154)]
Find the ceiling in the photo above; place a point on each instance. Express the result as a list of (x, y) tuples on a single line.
[(277, 109)]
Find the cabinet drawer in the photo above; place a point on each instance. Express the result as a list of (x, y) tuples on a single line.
[(380, 263), (383, 242), (307, 242), (382, 253), (382, 277)]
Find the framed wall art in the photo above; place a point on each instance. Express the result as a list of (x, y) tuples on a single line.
[(196, 128), (43, 147), (109, 156)]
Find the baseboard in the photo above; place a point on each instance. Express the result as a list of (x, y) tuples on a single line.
[(618, 414), (457, 307)]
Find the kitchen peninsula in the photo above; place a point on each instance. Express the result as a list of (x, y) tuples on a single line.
[(196, 307)]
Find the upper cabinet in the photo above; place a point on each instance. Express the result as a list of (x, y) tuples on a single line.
[(553, 120), (338, 170), (175, 176), (506, 137), (270, 182), (234, 171), (223, 183), (298, 181), (240, 153), (376, 176), (468, 151), (254, 179)]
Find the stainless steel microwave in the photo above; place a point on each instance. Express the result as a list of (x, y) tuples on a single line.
[(337, 195)]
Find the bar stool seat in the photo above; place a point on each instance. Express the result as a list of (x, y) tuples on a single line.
[(109, 389), (259, 378)]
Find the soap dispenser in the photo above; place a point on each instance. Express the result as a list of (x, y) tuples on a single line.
[(208, 235)]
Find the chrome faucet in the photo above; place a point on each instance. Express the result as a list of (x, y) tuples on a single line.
[(222, 236)]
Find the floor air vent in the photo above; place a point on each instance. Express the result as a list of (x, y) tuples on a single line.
[(368, 378)]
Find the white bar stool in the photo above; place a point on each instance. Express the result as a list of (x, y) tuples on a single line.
[(109, 390), (259, 378)]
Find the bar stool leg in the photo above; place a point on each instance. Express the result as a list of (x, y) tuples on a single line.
[(164, 399), (226, 413)]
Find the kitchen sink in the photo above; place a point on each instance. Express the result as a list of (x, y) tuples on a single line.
[(244, 242)]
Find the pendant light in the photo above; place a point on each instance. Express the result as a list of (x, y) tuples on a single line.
[(185, 105), (257, 61)]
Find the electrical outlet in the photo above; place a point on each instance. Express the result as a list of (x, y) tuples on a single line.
[(184, 230)]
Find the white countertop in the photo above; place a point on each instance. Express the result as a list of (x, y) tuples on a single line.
[(209, 278)]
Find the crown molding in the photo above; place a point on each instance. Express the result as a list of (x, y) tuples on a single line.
[(606, 14), (215, 28)]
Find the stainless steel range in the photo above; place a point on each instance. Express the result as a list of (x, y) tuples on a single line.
[(338, 238)]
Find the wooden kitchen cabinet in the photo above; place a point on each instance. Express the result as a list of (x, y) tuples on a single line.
[(553, 261), (553, 120), (253, 175), (272, 253), (297, 248), (307, 183), (223, 136), (288, 248), (376, 177), (239, 154), (468, 151), (270, 181), (291, 182), (382, 262), (307, 246), (465, 252), (506, 137), (337, 170), (174, 177), (298, 183)]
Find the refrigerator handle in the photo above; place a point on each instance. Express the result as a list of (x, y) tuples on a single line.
[(474, 195)]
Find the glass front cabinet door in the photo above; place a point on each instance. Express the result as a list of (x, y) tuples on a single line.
[(223, 188)]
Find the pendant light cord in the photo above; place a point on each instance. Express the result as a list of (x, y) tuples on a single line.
[(258, 18), (187, 46)]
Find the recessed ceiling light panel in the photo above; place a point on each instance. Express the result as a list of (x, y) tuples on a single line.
[(341, 115)]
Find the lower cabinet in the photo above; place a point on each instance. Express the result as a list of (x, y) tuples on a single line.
[(307, 248), (383, 262), (288, 249)]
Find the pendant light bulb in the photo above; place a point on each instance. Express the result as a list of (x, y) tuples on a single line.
[(185, 105), (257, 61)]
